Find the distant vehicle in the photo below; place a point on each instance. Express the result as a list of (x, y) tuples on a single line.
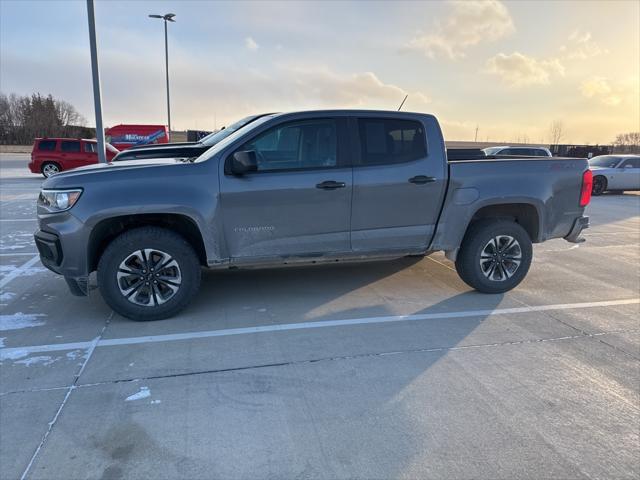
[(523, 151), (615, 172), (53, 155), (303, 188), (185, 150), (458, 154), (126, 136)]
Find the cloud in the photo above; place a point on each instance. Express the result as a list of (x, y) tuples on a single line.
[(519, 70), (580, 46), (251, 44), (203, 94), (326, 87), (600, 88), (470, 23)]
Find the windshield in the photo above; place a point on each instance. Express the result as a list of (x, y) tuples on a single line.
[(605, 161), (221, 144), (213, 138), (491, 150)]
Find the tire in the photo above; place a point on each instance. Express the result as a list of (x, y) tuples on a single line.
[(599, 185), (50, 168), (514, 251), (130, 286)]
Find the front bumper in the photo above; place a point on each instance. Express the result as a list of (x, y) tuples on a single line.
[(579, 224), (48, 245)]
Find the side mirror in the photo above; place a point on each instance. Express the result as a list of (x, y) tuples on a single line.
[(243, 162)]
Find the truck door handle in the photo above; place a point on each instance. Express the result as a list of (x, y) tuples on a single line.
[(330, 185), (422, 179)]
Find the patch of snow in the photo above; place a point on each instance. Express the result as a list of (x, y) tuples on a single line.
[(262, 310), (143, 393), (43, 359), (76, 354), (7, 269), (2, 339), (4, 296), (14, 355), (20, 320), (155, 402)]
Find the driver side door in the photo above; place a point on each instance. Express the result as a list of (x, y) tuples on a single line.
[(298, 202)]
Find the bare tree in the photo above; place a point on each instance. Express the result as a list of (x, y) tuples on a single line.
[(556, 132), (627, 143), (68, 115), (22, 118)]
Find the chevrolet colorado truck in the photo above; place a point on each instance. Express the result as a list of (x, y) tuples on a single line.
[(303, 188)]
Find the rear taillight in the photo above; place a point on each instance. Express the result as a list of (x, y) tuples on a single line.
[(587, 185)]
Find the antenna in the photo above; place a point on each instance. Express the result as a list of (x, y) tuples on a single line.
[(405, 99)]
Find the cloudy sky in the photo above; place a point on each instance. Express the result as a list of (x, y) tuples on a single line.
[(510, 68)]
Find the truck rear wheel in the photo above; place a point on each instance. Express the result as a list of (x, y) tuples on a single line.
[(495, 256), (148, 273)]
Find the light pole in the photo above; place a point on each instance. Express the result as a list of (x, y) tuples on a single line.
[(167, 17), (95, 74)]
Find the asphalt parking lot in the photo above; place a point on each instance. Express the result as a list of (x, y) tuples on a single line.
[(377, 370)]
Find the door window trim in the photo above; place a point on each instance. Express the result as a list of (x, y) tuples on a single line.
[(342, 148), (356, 145)]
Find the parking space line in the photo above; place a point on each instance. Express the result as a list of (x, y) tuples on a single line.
[(18, 254), (6, 353), (18, 271), (18, 219)]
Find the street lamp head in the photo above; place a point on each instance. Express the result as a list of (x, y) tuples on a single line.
[(168, 17)]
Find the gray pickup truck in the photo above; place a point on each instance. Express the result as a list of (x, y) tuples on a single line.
[(303, 188)]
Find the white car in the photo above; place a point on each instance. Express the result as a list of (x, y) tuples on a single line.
[(615, 172), (524, 151)]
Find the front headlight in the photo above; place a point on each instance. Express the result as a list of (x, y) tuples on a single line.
[(59, 200)]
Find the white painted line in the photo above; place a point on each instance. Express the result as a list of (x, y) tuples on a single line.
[(115, 342), (18, 254), (18, 219), (18, 271)]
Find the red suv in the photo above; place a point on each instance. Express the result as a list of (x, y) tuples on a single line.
[(53, 155)]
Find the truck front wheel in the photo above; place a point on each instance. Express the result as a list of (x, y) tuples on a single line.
[(495, 256), (148, 273)]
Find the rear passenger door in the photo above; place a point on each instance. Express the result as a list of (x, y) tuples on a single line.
[(70, 154), (298, 203), (398, 184)]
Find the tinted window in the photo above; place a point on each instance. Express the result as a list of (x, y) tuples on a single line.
[(536, 152), (47, 145), (491, 150), (507, 151), (519, 151), (70, 146), (308, 144), (633, 162), (388, 141), (604, 161), (90, 147)]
